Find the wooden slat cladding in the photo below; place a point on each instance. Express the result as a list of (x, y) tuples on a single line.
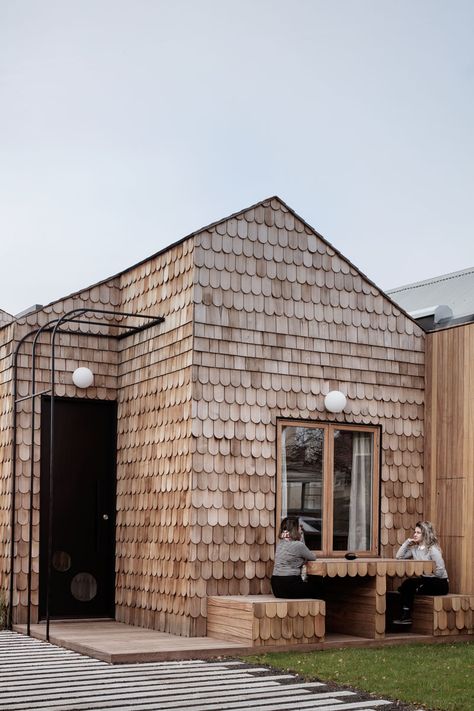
[(449, 447), (281, 319), (262, 620), (154, 466)]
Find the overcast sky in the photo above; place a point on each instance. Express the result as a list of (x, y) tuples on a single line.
[(127, 124)]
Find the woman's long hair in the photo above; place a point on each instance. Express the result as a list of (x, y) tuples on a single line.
[(290, 528), (430, 537)]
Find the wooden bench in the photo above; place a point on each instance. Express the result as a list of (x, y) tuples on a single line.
[(263, 620), (444, 614)]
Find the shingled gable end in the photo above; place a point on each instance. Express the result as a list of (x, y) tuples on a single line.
[(263, 317)]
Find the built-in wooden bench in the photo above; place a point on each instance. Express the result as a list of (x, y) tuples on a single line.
[(263, 620), (444, 614)]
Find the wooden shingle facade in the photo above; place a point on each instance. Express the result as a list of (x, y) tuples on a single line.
[(262, 318)]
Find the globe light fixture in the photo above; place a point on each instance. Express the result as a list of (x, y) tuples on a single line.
[(335, 401), (83, 377)]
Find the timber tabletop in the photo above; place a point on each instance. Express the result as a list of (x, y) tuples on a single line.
[(341, 567)]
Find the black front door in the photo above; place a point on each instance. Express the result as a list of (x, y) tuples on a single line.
[(83, 508)]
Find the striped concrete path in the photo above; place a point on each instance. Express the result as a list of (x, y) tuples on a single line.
[(38, 675)]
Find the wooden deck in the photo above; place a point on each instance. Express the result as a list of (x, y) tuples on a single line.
[(118, 643)]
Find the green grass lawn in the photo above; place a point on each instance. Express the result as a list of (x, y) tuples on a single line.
[(435, 676)]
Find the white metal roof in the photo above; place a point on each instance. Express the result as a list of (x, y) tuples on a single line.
[(455, 290)]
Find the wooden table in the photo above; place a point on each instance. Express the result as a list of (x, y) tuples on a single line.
[(356, 591)]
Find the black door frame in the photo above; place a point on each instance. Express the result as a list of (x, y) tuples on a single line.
[(126, 324), (103, 498)]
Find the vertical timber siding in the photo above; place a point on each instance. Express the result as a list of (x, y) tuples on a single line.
[(450, 448)]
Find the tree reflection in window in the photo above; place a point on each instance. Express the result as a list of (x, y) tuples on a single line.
[(302, 487), (336, 507)]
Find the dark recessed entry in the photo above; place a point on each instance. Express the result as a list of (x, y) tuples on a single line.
[(83, 531)]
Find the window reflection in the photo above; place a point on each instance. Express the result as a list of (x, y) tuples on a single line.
[(352, 493), (347, 490), (302, 479)]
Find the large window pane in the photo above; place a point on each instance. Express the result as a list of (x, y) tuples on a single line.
[(302, 479), (352, 493)]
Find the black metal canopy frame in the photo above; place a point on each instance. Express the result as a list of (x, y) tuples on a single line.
[(56, 326)]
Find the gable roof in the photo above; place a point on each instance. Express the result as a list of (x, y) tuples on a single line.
[(262, 203)]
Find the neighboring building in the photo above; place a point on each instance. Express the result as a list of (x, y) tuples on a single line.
[(171, 472), (444, 300), (5, 318)]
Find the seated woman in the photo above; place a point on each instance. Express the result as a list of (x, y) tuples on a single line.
[(423, 545), (290, 556)]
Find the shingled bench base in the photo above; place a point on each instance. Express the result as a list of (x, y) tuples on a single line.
[(443, 615), (263, 620)]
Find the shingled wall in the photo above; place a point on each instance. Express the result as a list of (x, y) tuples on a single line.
[(280, 319), (262, 318), (6, 434), (72, 350), (154, 459)]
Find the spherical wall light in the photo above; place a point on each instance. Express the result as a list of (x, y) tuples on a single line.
[(335, 401), (83, 377)]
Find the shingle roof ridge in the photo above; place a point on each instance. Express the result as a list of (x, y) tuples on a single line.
[(113, 277), (298, 217), (120, 273)]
